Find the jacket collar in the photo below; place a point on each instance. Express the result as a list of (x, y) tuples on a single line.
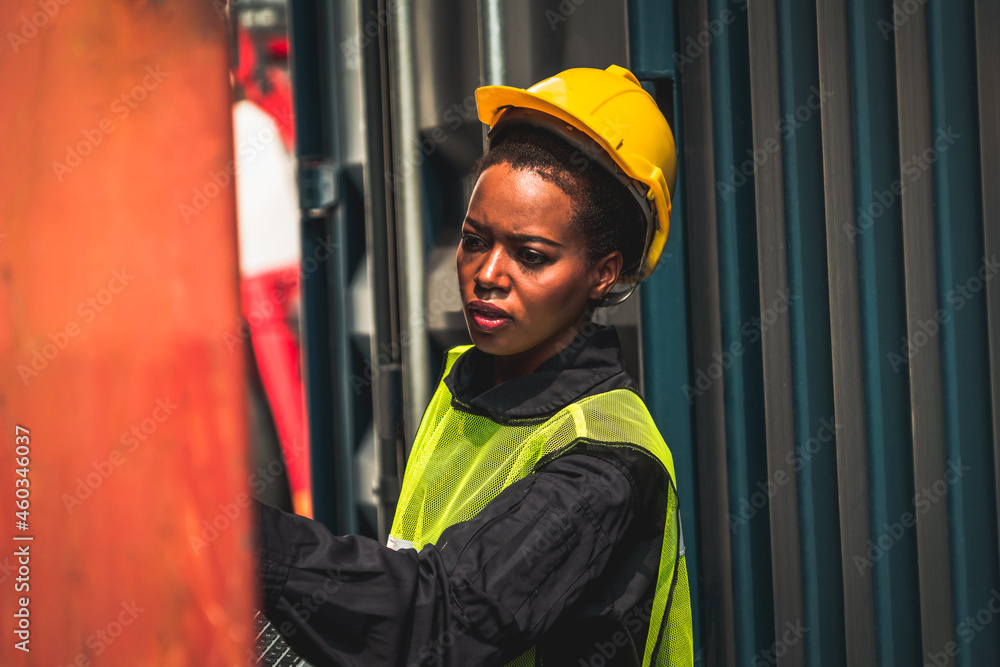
[(590, 365)]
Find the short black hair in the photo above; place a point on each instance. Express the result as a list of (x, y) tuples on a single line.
[(603, 209)]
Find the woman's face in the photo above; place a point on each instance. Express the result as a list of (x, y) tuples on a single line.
[(522, 268)]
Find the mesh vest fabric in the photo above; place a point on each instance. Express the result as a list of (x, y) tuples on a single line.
[(460, 461)]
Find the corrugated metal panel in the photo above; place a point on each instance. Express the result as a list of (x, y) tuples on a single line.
[(873, 212), (920, 266), (851, 438), (696, 143), (876, 232), (821, 351), (739, 362), (988, 70), (961, 251), (664, 296), (987, 17), (817, 428)]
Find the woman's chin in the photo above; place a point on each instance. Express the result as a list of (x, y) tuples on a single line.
[(496, 343), (488, 343)]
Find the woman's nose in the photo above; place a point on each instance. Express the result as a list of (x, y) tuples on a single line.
[(493, 272)]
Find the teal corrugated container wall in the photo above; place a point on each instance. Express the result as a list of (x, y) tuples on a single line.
[(821, 344), (833, 401)]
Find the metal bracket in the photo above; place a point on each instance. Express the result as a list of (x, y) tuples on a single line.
[(317, 187)]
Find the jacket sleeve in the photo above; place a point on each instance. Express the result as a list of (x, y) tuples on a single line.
[(480, 596)]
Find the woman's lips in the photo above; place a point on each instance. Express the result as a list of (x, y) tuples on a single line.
[(488, 318), (487, 323)]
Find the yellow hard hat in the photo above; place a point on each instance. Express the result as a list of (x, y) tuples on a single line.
[(611, 108)]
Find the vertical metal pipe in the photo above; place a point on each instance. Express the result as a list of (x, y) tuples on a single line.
[(386, 370), (845, 324), (492, 55), (926, 399), (772, 254), (706, 345), (407, 185), (988, 60)]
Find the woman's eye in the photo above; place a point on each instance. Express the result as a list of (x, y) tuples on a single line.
[(533, 257)]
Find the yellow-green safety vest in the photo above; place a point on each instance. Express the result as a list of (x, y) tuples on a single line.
[(460, 461)]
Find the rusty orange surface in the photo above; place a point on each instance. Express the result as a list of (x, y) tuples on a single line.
[(114, 304)]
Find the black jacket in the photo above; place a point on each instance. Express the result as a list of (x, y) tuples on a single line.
[(471, 599)]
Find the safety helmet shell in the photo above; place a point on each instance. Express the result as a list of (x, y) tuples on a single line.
[(613, 110)]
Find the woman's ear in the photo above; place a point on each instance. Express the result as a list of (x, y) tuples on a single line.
[(605, 272)]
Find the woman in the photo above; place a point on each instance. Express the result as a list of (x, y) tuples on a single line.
[(538, 520)]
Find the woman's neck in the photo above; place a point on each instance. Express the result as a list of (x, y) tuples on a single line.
[(510, 366)]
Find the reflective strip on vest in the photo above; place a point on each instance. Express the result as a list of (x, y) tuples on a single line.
[(397, 544), (460, 461)]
